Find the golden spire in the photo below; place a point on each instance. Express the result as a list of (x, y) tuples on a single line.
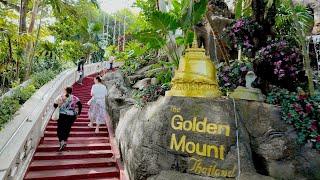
[(195, 41)]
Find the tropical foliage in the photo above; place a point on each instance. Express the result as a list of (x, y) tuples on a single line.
[(39, 39), (230, 77), (10, 104), (241, 34), (38, 35), (160, 24), (301, 111), (280, 63)]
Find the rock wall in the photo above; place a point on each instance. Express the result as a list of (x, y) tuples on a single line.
[(195, 138), (118, 95)]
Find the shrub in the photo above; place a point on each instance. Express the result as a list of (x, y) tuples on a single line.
[(151, 93), (8, 106), (301, 111), (162, 70), (280, 64), (22, 94), (241, 33), (230, 77), (41, 78)]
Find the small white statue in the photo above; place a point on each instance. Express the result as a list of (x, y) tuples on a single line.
[(248, 92), (250, 78)]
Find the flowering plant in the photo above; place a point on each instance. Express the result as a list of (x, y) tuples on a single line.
[(280, 64), (230, 77), (301, 111), (241, 33)]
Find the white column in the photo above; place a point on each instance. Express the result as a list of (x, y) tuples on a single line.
[(119, 34), (114, 32), (108, 30), (124, 33)]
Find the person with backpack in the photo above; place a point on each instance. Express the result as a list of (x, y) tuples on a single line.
[(69, 109)]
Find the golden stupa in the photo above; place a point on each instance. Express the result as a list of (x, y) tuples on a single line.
[(196, 75)]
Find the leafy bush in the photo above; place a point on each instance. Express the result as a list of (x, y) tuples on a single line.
[(301, 111), (8, 106), (290, 20), (162, 70), (23, 94), (41, 78), (241, 33), (230, 77), (280, 64), (151, 93)]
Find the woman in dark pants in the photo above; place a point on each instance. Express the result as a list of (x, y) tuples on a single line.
[(68, 104)]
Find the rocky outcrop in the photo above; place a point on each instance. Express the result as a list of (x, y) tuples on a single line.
[(142, 84), (118, 95), (217, 18), (195, 138)]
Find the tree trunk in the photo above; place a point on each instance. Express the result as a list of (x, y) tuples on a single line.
[(29, 45), (10, 49), (33, 16), (23, 16), (36, 43), (11, 58)]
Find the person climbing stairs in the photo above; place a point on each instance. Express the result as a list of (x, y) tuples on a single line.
[(87, 156)]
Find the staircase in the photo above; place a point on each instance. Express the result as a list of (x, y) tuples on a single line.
[(86, 156)]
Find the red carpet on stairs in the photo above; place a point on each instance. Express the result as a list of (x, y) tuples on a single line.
[(87, 155)]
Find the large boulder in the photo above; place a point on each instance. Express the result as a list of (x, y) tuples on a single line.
[(153, 139), (118, 95), (196, 138), (142, 84), (134, 78)]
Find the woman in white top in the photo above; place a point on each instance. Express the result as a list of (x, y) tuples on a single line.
[(97, 111)]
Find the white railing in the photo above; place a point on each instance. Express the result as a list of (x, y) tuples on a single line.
[(21, 136)]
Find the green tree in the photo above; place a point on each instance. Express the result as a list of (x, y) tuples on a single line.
[(162, 25), (293, 22)]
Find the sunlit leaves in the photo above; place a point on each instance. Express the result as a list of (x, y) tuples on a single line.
[(164, 21), (243, 8), (293, 20), (183, 15), (151, 38)]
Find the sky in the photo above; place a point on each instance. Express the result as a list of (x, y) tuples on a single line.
[(112, 6)]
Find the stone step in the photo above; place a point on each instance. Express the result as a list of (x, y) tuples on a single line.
[(77, 128), (74, 147), (39, 165), (78, 173), (77, 134), (73, 154), (77, 140)]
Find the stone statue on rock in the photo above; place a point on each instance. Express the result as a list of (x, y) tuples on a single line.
[(248, 92)]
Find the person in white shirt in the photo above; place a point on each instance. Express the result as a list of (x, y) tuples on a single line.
[(97, 111)]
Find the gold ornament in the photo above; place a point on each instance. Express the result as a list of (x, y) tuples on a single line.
[(196, 75)]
